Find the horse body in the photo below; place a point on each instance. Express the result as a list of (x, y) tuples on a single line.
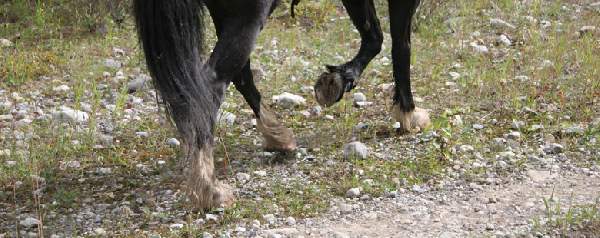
[(171, 33)]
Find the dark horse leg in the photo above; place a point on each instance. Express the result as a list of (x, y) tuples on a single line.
[(276, 136), (404, 111), (339, 79)]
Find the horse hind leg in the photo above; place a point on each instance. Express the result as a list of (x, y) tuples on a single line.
[(276, 136), (331, 85)]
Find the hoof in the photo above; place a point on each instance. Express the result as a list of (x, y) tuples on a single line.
[(203, 189), (278, 138), (411, 122), (329, 89)]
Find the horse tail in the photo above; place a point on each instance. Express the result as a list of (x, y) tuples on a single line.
[(171, 34)]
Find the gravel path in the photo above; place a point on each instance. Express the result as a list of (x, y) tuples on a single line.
[(454, 211)]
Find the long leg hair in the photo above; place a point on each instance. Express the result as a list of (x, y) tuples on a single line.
[(171, 34)]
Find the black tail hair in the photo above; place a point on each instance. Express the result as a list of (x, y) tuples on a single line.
[(171, 33)]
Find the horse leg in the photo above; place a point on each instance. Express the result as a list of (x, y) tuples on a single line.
[(404, 111), (276, 136), (339, 79)]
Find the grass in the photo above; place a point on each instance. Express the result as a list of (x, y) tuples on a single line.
[(53, 48), (572, 220)]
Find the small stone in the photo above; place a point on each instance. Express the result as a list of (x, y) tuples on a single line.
[(260, 173), (553, 148), (104, 171), (100, 231), (522, 78), (517, 125), (574, 130), (514, 135), (418, 189), (138, 83), (504, 40), (356, 150), (206, 235), (142, 134), (359, 97), (30, 222), (242, 177), (270, 218), (5, 43), (288, 100), (211, 217), (466, 148), (481, 49), (111, 63), (173, 142), (176, 226), (66, 114), (586, 30), (353, 193), (490, 227), (478, 126), (290, 221), (226, 118), (499, 23), (454, 75), (61, 89)]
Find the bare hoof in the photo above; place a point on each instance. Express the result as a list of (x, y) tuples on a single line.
[(277, 136), (329, 89), (411, 122)]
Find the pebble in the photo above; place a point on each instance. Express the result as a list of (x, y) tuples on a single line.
[(111, 63), (30, 222), (481, 49), (260, 173), (499, 23), (504, 40), (356, 150), (61, 89), (513, 135), (270, 218), (353, 193), (100, 231), (454, 75), (553, 148), (176, 226), (478, 126), (211, 217), (5, 43), (173, 142), (242, 177), (226, 118), (359, 97), (104, 171), (66, 114), (142, 134), (288, 100), (290, 221)]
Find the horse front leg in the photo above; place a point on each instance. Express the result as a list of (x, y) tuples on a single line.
[(331, 85), (411, 118)]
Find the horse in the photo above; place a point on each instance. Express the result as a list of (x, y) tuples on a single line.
[(192, 87)]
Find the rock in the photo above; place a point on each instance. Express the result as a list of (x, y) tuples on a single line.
[(285, 232), (270, 218), (206, 235), (242, 177), (359, 97), (288, 100), (142, 134), (586, 30), (105, 140), (504, 40), (173, 142), (100, 231), (211, 218), (339, 234), (499, 23), (290, 221), (418, 189), (356, 150), (466, 148), (226, 118), (574, 130), (540, 176), (61, 89), (454, 75), (111, 63), (553, 148), (353, 193), (260, 173), (104, 171), (513, 135), (66, 114), (138, 83), (517, 125), (5, 43), (478, 126), (176, 226), (345, 208), (481, 49), (30, 222), (522, 78)]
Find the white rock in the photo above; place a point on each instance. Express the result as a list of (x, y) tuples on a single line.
[(356, 150), (288, 100), (522, 78), (211, 217), (138, 83), (481, 49), (553, 148), (67, 114), (142, 134), (499, 23), (513, 135), (30, 222), (100, 231), (242, 177), (176, 226), (61, 89), (359, 97), (226, 118), (353, 193), (111, 63), (587, 29), (260, 173), (503, 39), (5, 43), (270, 218), (454, 75), (290, 221), (173, 142), (282, 232), (104, 171)]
